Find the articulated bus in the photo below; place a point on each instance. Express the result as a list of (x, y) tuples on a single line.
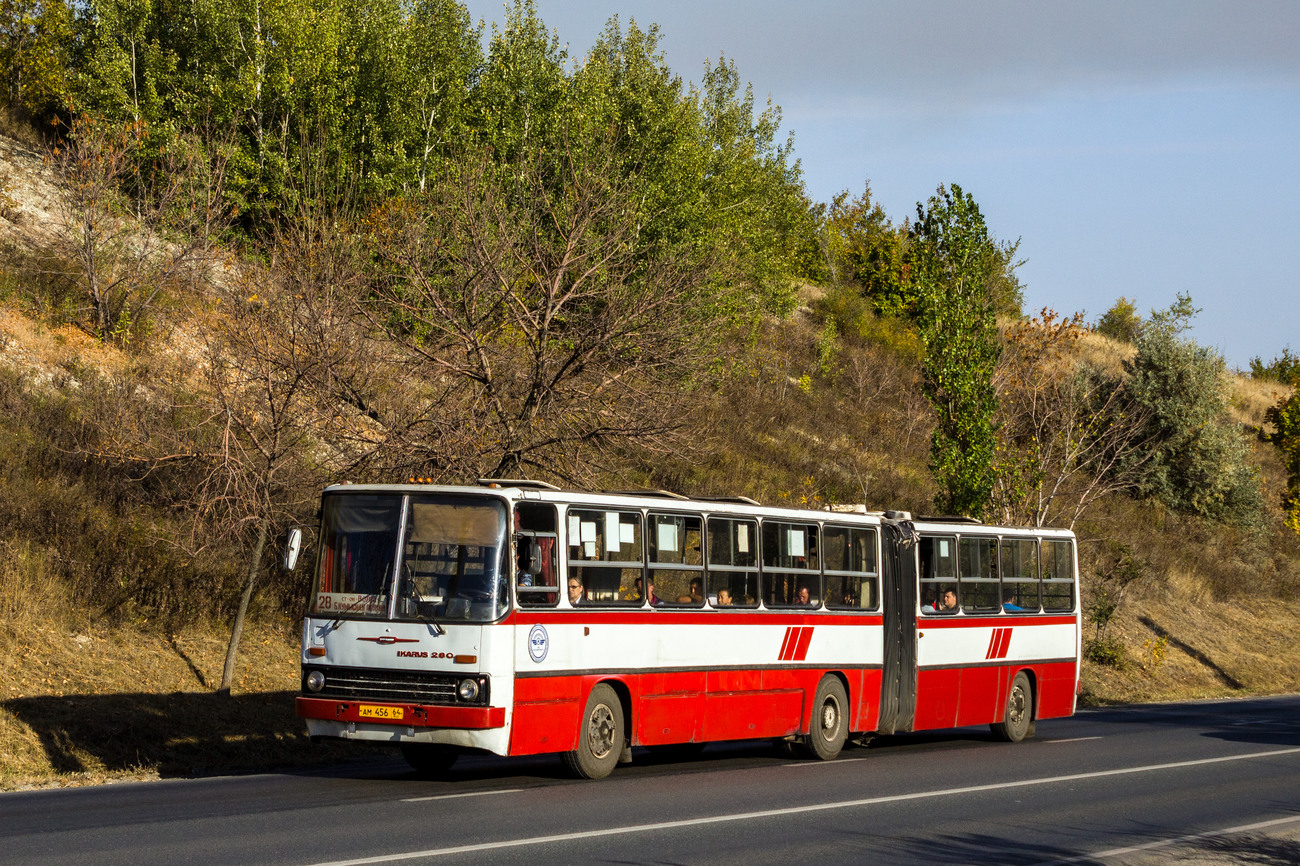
[(516, 618)]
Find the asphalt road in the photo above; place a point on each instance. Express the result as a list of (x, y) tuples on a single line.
[(1211, 782)]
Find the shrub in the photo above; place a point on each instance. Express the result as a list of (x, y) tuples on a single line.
[(1285, 368), (1121, 322), (1199, 461)]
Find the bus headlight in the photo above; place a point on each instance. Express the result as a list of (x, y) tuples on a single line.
[(315, 681), (467, 690)]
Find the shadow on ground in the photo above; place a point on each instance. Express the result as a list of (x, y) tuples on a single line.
[(178, 734)]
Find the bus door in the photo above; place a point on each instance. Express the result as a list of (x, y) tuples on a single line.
[(898, 679)]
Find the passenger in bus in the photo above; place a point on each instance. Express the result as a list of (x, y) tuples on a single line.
[(945, 603), (724, 598), (802, 597), (1009, 600), (575, 591), (697, 591)]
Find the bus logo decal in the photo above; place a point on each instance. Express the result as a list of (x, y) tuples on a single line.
[(795, 646), (999, 643), (538, 643)]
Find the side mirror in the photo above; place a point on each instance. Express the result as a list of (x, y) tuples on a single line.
[(292, 547)]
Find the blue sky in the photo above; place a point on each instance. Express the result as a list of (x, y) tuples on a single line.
[(1136, 149)]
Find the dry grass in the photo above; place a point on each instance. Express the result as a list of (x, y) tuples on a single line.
[(87, 705), (1212, 649), (1104, 353)]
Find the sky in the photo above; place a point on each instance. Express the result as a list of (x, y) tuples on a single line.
[(1136, 149)]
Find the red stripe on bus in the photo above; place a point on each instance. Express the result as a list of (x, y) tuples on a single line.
[(784, 654), (805, 637), (993, 643), (1005, 643)]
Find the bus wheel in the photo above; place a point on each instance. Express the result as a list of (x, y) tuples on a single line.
[(600, 738), (428, 759), (1017, 720), (829, 727)]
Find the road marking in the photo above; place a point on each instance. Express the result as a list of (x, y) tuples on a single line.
[(1147, 846), (455, 796), (1072, 740), (791, 810), (802, 764)]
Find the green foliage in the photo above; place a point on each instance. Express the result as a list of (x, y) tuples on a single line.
[(1121, 322), (1285, 368), (1285, 417), (1199, 461), (36, 38), (955, 263), (864, 247)]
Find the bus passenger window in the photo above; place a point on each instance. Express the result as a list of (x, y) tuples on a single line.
[(791, 568), (977, 562), (676, 558), (937, 563), (536, 567), (1019, 557), (850, 559), (605, 555), (1058, 575), (732, 578)]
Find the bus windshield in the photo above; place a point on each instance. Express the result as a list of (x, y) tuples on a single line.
[(446, 558), (452, 566)]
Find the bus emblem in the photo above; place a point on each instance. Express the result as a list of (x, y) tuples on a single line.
[(538, 643)]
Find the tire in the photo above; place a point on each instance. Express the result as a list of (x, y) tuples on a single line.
[(600, 736), (428, 759), (1018, 718), (830, 724)]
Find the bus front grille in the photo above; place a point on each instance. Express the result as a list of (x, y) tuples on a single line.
[(413, 687)]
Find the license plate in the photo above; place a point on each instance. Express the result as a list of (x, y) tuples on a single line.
[(371, 711)]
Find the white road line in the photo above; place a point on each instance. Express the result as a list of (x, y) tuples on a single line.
[(455, 796), (1072, 740), (802, 764), (1147, 846), (792, 810)]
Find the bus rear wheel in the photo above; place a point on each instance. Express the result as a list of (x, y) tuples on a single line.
[(600, 736), (428, 759), (830, 727), (1018, 718)]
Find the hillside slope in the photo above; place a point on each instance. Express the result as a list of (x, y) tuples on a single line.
[(111, 638)]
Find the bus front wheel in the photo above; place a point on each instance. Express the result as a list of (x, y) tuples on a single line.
[(1018, 718), (830, 727), (600, 736)]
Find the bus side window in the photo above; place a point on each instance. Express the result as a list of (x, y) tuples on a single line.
[(605, 555), (1058, 575), (536, 562), (1019, 575), (732, 578), (850, 567), (937, 563)]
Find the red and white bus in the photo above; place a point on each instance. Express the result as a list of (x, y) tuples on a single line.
[(516, 618)]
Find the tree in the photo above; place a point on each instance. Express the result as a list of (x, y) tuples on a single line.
[(36, 38), (1121, 322), (1200, 462), (864, 247), (546, 330), (1064, 431), (134, 225), (1285, 417), (955, 265)]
